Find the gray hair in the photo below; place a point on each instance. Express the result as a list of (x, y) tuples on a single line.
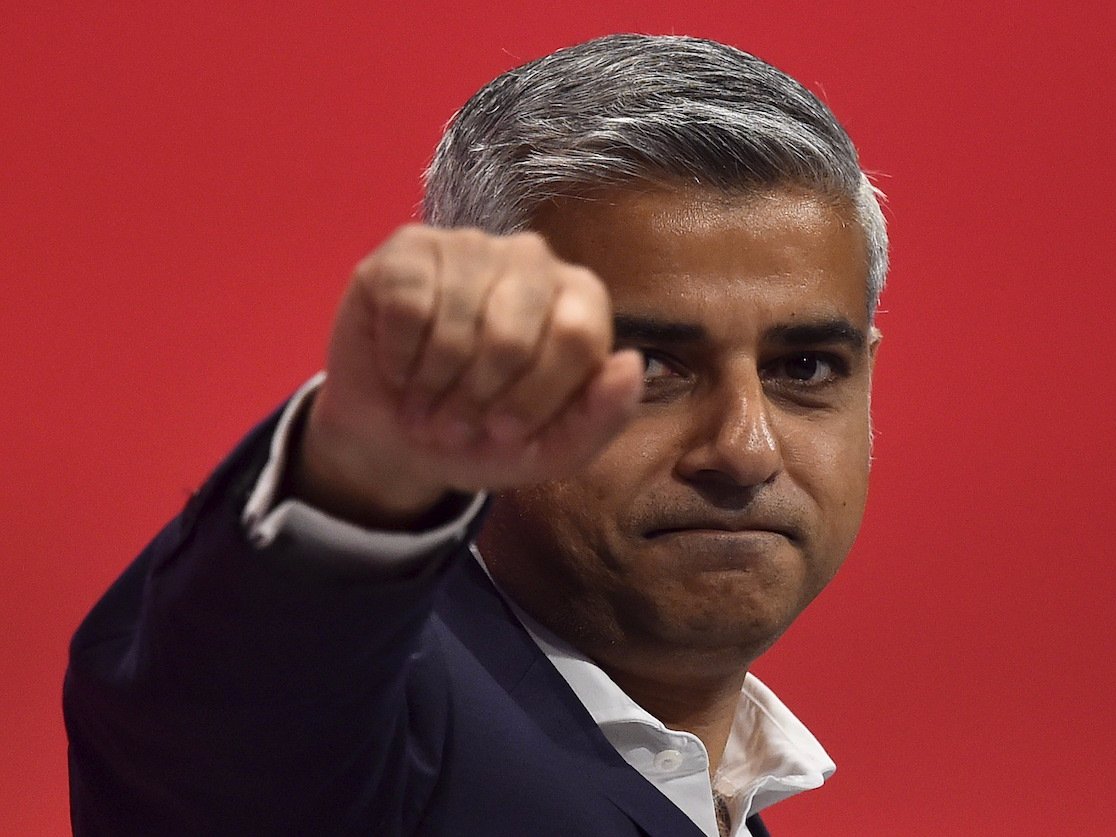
[(631, 107)]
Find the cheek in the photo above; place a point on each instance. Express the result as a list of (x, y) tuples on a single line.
[(570, 520), (632, 463), (595, 513), (831, 466)]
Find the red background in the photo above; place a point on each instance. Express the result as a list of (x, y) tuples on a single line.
[(184, 188)]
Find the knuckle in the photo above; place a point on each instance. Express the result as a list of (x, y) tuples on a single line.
[(529, 241), (403, 292), (411, 233), (407, 239), (533, 297), (519, 293), (468, 239), (576, 334), (596, 297), (588, 283), (469, 234), (397, 274)]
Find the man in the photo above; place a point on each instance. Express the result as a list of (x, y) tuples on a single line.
[(654, 361)]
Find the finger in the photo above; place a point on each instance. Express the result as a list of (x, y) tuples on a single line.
[(399, 284), (576, 342), (578, 433), (514, 321), (589, 422), (463, 283), (600, 411)]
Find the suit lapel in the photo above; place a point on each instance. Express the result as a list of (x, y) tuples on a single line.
[(474, 611)]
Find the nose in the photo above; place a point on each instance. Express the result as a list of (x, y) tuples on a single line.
[(733, 443)]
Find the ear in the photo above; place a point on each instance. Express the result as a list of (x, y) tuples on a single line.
[(875, 337)]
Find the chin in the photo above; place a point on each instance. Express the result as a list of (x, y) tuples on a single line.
[(743, 627)]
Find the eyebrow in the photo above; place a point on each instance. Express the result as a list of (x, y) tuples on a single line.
[(830, 332), (628, 328)]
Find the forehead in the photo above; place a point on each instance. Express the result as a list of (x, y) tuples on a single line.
[(785, 253)]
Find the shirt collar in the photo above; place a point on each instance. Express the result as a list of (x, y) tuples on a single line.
[(770, 754)]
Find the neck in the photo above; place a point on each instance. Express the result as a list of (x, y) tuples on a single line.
[(705, 709)]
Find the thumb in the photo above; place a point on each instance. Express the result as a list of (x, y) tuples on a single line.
[(602, 409)]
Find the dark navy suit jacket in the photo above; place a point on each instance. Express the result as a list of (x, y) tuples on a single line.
[(222, 689)]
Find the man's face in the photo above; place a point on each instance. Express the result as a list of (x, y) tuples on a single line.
[(732, 498)]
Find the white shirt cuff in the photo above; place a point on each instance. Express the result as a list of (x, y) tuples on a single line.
[(265, 521)]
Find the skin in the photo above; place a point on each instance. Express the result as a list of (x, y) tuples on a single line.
[(690, 543), (666, 387)]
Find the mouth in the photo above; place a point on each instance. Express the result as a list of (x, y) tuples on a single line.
[(747, 532), (701, 547)]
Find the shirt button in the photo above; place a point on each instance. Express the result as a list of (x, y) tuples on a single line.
[(667, 760)]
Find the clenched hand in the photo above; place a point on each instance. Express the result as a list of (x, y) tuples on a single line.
[(461, 361)]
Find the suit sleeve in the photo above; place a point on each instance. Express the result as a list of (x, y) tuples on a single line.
[(222, 688)]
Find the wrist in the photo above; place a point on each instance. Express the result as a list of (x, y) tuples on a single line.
[(338, 478)]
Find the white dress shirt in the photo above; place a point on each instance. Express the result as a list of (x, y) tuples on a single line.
[(770, 755)]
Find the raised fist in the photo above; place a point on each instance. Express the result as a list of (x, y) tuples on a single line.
[(461, 361)]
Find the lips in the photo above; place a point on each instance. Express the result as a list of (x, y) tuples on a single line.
[(728, 526)]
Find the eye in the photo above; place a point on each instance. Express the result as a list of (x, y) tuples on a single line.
[(808, 369), (656, 368), (664, 378)]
